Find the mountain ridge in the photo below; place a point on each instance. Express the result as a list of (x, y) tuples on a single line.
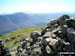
[(10, 22)]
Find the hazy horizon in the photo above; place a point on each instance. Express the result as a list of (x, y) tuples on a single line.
[(37, 6)]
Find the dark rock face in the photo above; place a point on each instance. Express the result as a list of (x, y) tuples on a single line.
[(57, 37)]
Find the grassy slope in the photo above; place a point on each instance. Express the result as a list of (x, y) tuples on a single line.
[(23, 32)]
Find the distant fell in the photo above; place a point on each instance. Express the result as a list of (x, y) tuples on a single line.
[(10, 22)]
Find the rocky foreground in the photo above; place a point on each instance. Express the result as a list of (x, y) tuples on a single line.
[(56, 39)]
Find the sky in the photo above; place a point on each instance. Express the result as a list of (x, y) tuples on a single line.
[(37, 6)]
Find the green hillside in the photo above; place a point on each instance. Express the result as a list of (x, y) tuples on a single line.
[(18, 34)]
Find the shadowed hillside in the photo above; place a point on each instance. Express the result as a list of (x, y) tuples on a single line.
[(15, 21)]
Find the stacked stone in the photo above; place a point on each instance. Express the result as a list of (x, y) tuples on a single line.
[(58, 36)]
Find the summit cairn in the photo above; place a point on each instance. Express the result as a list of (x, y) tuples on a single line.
[(58, 36)]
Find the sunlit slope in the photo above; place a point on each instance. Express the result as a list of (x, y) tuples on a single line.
[(18, 34)]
